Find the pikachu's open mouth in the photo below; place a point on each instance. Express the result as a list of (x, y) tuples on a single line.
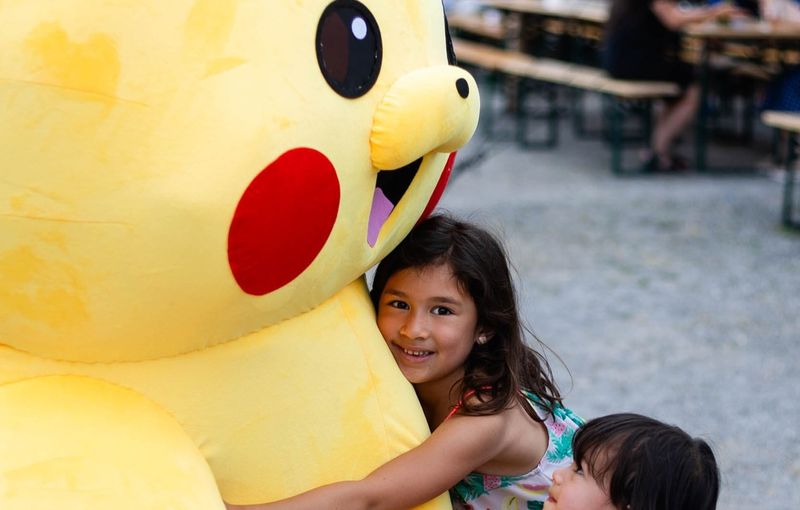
[(389, 189)]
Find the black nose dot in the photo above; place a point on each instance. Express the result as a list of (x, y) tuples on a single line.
[(462, 87)]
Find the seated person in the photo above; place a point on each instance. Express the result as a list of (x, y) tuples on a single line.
[(642, 42)]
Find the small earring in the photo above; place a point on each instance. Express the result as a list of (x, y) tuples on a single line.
[(482, 339)]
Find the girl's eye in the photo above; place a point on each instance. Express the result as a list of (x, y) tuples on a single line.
[(441, 310), (402, 305)]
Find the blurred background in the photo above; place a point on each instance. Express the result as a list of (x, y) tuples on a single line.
[(666, 285)]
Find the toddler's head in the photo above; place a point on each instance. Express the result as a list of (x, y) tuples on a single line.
[(629, 461)]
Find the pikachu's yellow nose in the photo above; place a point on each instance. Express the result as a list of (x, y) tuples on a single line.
[(434, 109)]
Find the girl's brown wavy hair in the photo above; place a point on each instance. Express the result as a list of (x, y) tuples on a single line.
[(498, 370)]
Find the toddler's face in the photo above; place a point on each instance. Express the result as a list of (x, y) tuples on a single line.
[(575, 489)]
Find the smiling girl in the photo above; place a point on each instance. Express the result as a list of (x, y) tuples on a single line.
[(447, 308)]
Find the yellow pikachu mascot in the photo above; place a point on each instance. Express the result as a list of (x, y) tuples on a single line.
[(190, 193)]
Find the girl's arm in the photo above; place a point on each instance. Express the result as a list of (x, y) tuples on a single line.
[(675, 18), (456, 447)]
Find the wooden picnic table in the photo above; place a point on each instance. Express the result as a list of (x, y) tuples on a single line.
[(595, 11), (758, 34), (477, 24), (790, 123), (748, 40), (743, 29), (535, 26)]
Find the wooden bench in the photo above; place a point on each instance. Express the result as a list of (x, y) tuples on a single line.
[(790, 123), (476, 24), (566, 74)]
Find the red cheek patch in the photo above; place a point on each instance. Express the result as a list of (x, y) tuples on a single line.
[(283, 220)]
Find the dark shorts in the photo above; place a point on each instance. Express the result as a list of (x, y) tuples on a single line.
[(635, 65), (678, 72)]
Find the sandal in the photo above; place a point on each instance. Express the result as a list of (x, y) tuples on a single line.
[(652, 163), (678, 163)]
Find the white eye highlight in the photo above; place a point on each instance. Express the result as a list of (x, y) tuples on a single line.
[(359, 28)]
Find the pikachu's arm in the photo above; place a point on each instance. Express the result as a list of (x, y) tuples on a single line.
[(72, 442)]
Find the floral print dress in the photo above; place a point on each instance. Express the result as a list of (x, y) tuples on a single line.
[(480, 491)]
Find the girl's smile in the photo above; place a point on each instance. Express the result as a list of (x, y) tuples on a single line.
[(429, 323), (416, 356)]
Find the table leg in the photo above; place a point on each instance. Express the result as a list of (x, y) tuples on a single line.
[(513, 22), (701, 130), (789, 183)]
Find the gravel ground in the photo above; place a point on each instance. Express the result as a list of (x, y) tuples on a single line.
[(671, 296)]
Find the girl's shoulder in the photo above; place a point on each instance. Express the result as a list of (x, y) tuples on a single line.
[(556, 411), (478, 438)]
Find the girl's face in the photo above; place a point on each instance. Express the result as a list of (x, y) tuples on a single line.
[(575, 489), (429, 323)]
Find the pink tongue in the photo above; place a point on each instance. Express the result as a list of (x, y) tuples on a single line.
[(381, 209)]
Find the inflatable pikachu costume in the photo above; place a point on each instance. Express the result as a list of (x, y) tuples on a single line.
[(190, 192)]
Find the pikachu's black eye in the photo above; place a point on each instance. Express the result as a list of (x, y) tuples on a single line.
[(349, 48)]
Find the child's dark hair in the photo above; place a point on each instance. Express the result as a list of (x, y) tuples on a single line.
[(499, 369), (646, 464)]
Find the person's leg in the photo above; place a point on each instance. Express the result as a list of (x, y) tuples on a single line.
[(673, 121)]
